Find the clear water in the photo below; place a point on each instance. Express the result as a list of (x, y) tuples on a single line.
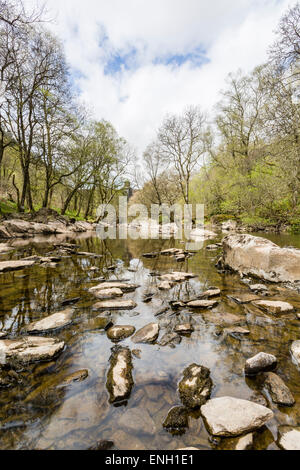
[(35, 413)]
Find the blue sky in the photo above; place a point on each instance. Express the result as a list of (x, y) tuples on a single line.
[(133, 61)]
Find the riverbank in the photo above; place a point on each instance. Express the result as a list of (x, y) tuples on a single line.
[(43, 222)]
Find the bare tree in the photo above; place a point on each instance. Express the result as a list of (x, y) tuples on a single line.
[(183, 145)]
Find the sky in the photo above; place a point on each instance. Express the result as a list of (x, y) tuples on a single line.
[(134, 61)]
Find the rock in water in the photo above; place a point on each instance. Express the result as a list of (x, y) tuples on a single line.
[(202, 304), (229, 416), (123, 286), (78, 376), (210, 294), (289, 438), (107, 294), (120, 332), (295, 350), (148, 334), (279, 392), (6, 266), (177, 420), (274, 307), (119, 378), (29, 349), (261, 258), (115, 305), (184, 329), (52, 322), (195, 387), (260, 363)]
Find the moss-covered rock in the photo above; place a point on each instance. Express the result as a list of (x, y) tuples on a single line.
[(119, 378), (195, 387)]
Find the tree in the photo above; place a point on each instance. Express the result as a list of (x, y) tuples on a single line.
[(182, 141)]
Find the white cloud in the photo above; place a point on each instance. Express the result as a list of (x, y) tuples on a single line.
[(233, 34)]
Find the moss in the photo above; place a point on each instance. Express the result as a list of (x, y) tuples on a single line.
[(195, 387)]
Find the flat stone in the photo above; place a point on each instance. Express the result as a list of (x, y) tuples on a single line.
[(229, 416), (260, 363), (115, 305), (177, 419), (295, 351), (171, 251), (6, 266), (120, 332), (29, 349), (202, 304), (236, 331), (170, 338), (258, 288), (107, 294), (243, 298), (274, 307), (279, 392), (177, 277), (165, 285), (210, 294), (224, 319), (137, 420), (98, 323), (289, 438), (148, 334), (123, 286), (52, 322), (184, 329), (119, 378), (195, 387)]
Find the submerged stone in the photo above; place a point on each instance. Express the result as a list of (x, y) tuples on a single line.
[(170, 338), (115, 305), (177, 420), (274, 307), (229, 416), (119, 378), (210, 294), (195, 387), (107, 294), (78, 376), (279, 392)]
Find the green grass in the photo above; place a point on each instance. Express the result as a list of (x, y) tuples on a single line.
[(7, 207)]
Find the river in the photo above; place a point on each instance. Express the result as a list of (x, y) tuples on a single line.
[(37, 413)]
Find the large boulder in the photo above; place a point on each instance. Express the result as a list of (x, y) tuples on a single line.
[(259, 257), (195, 387), (29, 349), (119, 378), (229, 416)]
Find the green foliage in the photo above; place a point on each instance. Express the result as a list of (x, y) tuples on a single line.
[(7, 207)]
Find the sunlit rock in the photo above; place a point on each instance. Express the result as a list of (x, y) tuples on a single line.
[(229, 416), (29, 349), (260, 363), (119, 378), (52, 322), (260, 257), (148, 334)]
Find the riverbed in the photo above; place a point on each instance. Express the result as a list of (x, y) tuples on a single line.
[(37, 412)]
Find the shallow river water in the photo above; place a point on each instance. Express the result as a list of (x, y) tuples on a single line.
[(37, 413)]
